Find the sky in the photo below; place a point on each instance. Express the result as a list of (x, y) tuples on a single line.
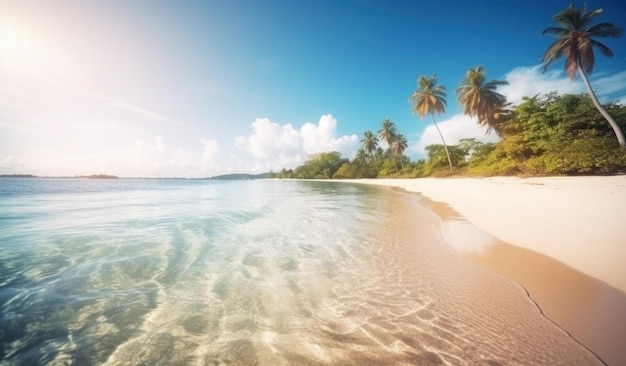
[(177, 88)]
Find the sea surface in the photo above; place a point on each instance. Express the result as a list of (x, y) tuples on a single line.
[(263, 272)]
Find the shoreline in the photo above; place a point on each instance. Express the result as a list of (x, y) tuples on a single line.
[(575, 220), (587, 304)]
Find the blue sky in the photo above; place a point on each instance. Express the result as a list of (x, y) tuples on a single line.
[(200, 88)]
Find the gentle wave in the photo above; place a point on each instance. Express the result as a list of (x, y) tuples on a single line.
[(248, 273)]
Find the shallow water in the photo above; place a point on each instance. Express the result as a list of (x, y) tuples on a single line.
[(166, 272)]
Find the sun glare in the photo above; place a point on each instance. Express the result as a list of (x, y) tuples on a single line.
[(11, 48), (8, 40), (26, 48), (16, 50)]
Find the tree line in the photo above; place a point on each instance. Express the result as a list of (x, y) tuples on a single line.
[(545, 134)]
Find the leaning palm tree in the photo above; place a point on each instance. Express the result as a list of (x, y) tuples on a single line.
[(479, 98), (399, 145), (370, 143), (388, 132), (574, 41), (430, 98)]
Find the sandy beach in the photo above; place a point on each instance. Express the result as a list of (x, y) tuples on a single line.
[(559, 237), (576, 220)]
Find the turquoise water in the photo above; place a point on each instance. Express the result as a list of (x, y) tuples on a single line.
[(150, 272)]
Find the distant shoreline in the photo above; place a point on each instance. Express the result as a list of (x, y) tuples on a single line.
[(237, 176), (93, 176)]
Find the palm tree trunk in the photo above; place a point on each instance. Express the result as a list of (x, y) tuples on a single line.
[(609, 119), (444, 141)]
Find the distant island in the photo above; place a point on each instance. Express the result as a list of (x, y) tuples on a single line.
[(236, 176), (97, 176), (93, 176), (243, 176), (17, 176)]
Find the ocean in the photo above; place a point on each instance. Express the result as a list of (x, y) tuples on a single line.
[(259, 272)]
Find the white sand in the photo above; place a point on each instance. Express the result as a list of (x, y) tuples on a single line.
[(580, 221)]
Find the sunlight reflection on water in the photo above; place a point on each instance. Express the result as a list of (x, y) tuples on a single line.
[(465, 237), (246, 273)]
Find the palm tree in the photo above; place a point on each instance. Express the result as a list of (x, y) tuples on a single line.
[(361, 157), (500, 113), (574, 41), (430, 98), (479, 98), (388, 132), (370, 142), (399, 145)]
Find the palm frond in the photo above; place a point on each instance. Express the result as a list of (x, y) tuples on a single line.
[(570, 16), (553, 53), (429, 97), (603, 48), (605, 30), (592, 14), (479, 98), (574, 39), (557, 31)]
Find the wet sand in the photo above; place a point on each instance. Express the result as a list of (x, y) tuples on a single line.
[(576, 220), (587, 308), (477, 315)]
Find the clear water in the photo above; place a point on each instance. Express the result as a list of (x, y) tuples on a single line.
[(162, 272)]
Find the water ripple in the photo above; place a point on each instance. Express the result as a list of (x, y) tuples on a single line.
[(249, 273)]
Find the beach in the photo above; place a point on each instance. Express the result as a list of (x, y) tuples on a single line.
[(561, 238), (576, 220)]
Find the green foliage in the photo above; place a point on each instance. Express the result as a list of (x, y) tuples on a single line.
[(437, 158), (345, 171), (416, 169), (320, 166), (556, 134), (550, 134)]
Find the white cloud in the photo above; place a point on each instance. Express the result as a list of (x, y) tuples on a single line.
[(453, 129), (321, 137), (524, 81), (529, 81), (143, 158), (270, 146), (273, 146), (210, 155), (210, 150), (610, 87), (152, 158), (270, 141)]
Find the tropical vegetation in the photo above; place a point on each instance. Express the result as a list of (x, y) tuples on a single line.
[(550, 134), (575, 41), (545, 134), (430, 98), (481, 100)]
